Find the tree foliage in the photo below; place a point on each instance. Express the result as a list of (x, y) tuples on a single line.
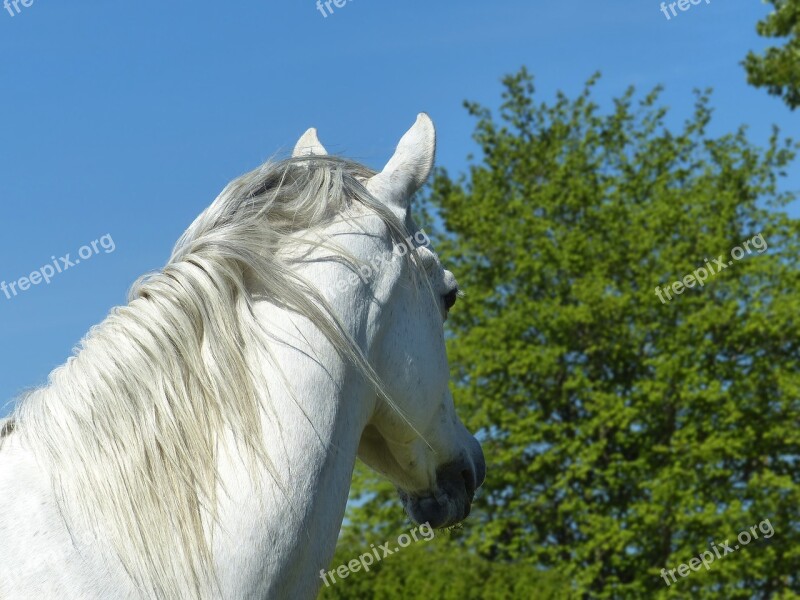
[(778, 68), (623, 435)]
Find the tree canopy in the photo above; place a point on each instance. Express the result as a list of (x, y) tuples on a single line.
[(778, 68)]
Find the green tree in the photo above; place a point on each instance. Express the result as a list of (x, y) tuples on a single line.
[(623, 434), (778, 68)]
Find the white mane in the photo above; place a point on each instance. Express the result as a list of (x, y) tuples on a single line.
[(129, 425)]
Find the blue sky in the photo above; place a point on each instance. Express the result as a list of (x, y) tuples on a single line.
[(127, 118)]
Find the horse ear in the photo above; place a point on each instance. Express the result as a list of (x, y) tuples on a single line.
[(410, 166), (309, 145)]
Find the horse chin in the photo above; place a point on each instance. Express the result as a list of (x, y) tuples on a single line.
[(449, 504), (437, 509)]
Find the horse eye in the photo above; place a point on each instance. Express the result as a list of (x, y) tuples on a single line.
[(450, 299)]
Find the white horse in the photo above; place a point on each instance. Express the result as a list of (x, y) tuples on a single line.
[(201, 442)]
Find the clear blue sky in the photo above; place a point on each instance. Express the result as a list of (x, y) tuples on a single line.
[(127, 118)]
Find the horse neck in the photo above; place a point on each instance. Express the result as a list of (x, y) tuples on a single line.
[(312, 434)]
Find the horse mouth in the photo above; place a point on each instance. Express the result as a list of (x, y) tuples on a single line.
[(449, 504)]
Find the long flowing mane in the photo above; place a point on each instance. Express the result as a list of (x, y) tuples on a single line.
[(128, 427)]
